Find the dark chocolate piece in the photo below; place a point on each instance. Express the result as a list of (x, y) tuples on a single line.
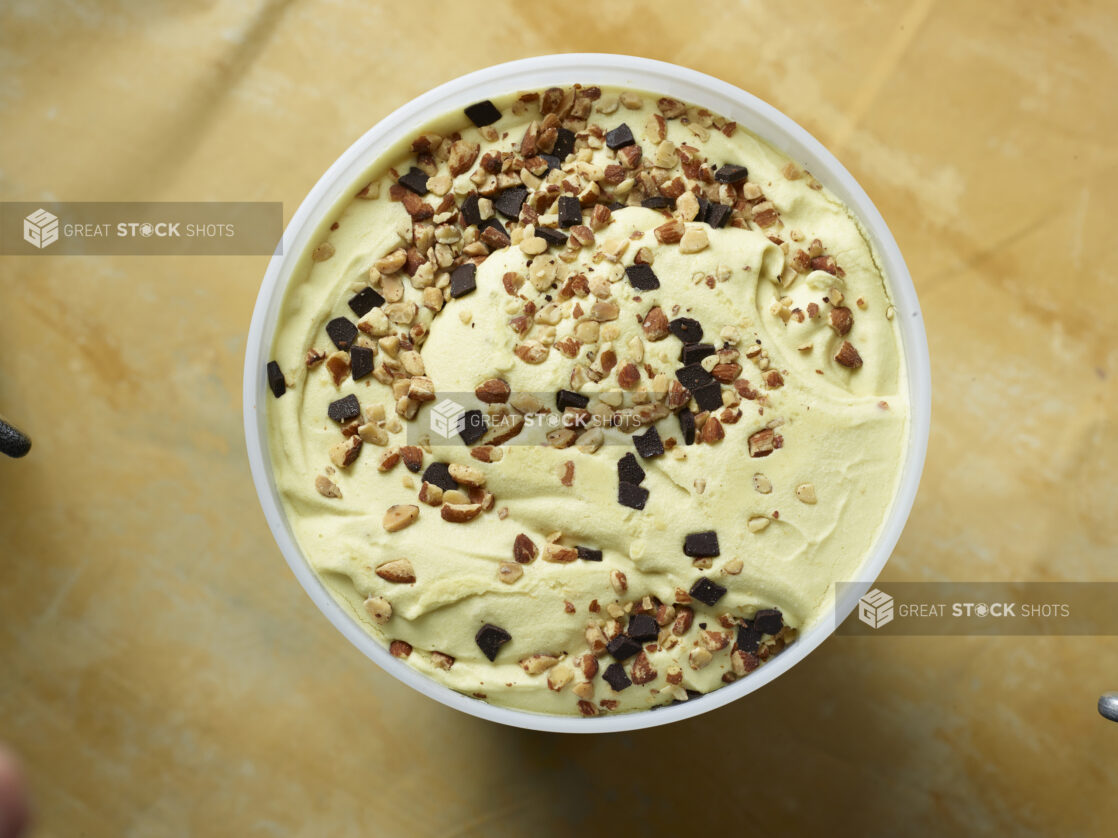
[(365, 301), (729, 173), (471, 426), (704, 209), (632, 496), (564, 144), (589, 555), (686, 329), (694, 352), (642, 628), (360, 362), (509, 202), (749, 639), (415, 180), (615, 206), (570, 211), (687, 426), (629, 470), (342, 332), (768, 621), (493, 222), (483, 113), (642, 277), (438, 474), (344, 409), (708, 397), (615, 676), (620, 137), (701, 545), (622, 647), (693, 376), (706, 591), (463, 279), (276, 381), (569, 398), (471, 213), (717, 215), (656, 202), (490, 639), (552, 161), (649, 444), (551, 235)]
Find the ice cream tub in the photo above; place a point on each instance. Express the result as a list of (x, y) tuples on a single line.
[(337, 186)]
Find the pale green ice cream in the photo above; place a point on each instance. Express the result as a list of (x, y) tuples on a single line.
[(789, 524)]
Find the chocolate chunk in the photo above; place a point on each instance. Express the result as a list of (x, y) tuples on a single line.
[(656, 202), (693, 376), (342, 332), (768, 621), (615, 676), (344, 409), (438, 474), (482, 114), (704, 209), (686, 329), (508, 203), (701, 545), (493, 222), (490, 639), (570, 211), (687, 426), (629, 470), (415, 180), (642, 278), (552, 161), (365, 301), (642, 628), (619, 137), (717, 215), (622, 647), (471, 212), (463, 279), (589, 555), (729, 173), (569, 398), (551, 235), (708, 397), (471, 426), (631, 495), (564, 144), (694, 352), (615, 206), (649, 444), (749, 639), (706, 591), (360, 362), (276, 381)]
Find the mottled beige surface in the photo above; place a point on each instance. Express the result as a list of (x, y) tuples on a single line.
[(163, 674)]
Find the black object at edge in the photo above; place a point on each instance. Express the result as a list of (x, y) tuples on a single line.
[(13, 442)]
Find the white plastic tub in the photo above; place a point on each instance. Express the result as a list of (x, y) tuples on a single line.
[(556, 70)]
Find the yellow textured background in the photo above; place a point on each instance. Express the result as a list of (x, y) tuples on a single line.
[(163, 674)]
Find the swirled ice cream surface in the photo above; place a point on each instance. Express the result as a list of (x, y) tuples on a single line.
[(609, 465)]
